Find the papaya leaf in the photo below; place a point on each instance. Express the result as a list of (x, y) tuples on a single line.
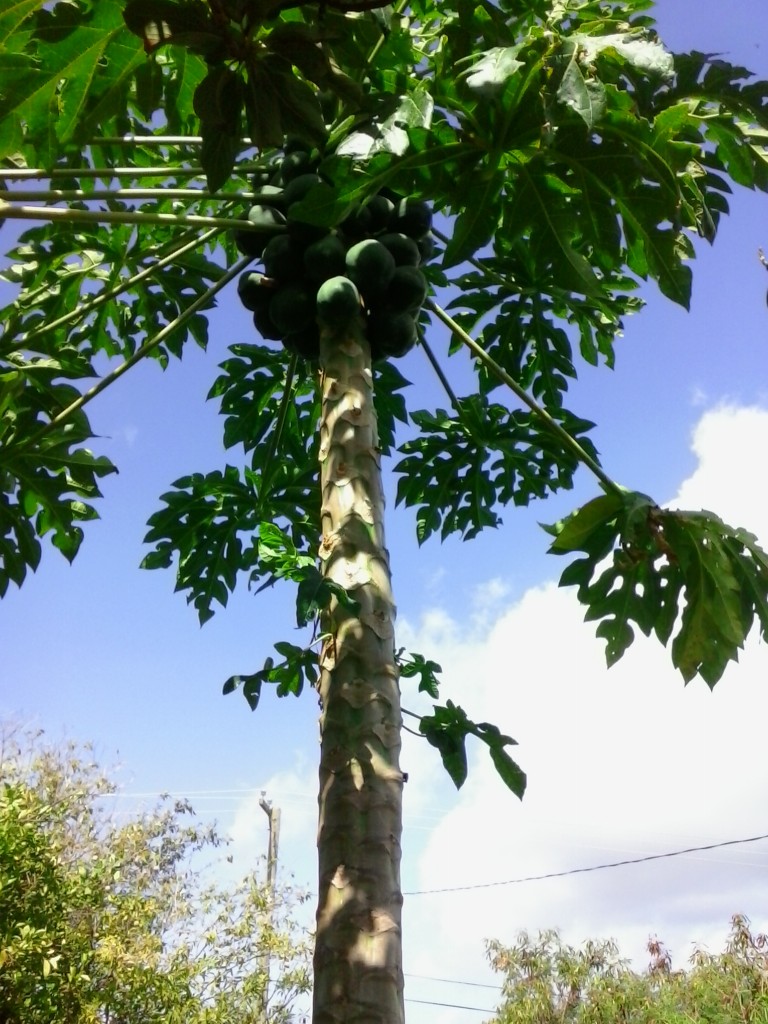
[(412, 665), (209, 525), (80, 63), (714, 562), (477, 222), (316, 593), (531, 202), (642, 53), (572, 533), (463, 468), (186, 22), (585, 96), (387, 131), (47, 481), (509, 771), (491, 71), (14, 15), (218, 153), (297, 667), (685, 576), (447, 729)]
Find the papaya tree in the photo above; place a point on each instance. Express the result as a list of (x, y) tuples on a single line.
[(489, 182)]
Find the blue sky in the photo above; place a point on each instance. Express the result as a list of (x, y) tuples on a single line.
[(621, 763)]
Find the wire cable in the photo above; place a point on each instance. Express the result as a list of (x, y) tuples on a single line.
[(454, 981), (452, 1006), (593, 867)]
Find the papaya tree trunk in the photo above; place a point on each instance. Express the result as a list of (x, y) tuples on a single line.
[(358, 950)]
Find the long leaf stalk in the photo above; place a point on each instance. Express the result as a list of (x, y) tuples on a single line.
[(70, 216), (501, 374), (78, 195), (163, 171), (139, 354), (127, 283), (156, 140), (153, 140), (439, 372)]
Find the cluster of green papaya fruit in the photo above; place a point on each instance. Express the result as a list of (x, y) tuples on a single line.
[(368, 264)]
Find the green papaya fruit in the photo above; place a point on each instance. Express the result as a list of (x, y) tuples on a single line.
[(325, 258), (380, 210), (357, 224), (402, 247), (269, 222), (296, 144), (298, 187), (249, 243), (296, 163), (371, 266), (304, 234), (338, 301), (426, 247), (407, 290), (271, 195), (391, 334), (305, 343), (292, 308), (283, 259), (412, 217), (263, 323), (254, 290)]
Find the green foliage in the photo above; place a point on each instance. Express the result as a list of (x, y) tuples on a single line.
[(686, 573), (108, 921), (412, 665), (461, 468), (296, 667), (549, 982), (46, 482), (447, 729), (211, 523)]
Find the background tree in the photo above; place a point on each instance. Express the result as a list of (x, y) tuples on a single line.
[(569, 155), (549, 982), (112, 920)]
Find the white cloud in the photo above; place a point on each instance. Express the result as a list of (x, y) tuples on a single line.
[(621, 764), (728, 480)]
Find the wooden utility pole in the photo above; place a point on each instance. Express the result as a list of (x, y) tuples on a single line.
[(273, 815)]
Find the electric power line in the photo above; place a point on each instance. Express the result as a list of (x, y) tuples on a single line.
[(453, 981), (452, 1006), (593, 867)]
